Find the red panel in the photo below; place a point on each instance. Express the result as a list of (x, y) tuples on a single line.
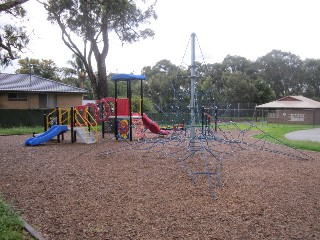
[(122, 106)]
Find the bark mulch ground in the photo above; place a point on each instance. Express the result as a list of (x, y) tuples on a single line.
[(79, 191)]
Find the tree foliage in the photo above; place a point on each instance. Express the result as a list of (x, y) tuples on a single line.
[(165, 87), (283, 71), (11, 5), (75, 74), (93, 22), (311, 69), (45, 68), (234, 64), (236, 79), (13, 38), (238, 87)]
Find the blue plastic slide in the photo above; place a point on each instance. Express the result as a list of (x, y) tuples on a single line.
[(46, 136)]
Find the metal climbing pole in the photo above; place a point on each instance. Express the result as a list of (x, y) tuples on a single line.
[(193, 93)]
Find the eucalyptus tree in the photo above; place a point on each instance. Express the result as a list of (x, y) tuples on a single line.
[(234, 64), (311, 69), (283, 71), (93, 21), (263, 93), (211, 85), (238, 87), (13, 38), (165, 86), (243, 88)]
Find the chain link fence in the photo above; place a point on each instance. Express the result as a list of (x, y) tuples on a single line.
[(237, 112)]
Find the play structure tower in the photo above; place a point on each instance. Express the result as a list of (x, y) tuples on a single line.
[(193, 93), (122, 112)]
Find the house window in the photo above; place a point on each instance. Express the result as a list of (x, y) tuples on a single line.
[(47, 100), (296, 117), (17, 96)]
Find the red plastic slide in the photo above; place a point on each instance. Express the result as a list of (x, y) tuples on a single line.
[(152, 126)]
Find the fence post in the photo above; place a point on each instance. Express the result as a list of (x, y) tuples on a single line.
[(45, 121), (58, 121), (72, 124), (102, 117), (215, 119), (202, 119)]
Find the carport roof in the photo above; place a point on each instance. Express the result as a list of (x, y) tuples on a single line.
[(290, 102), (33, 83)]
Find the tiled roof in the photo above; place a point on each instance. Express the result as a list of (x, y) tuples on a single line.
[(292, 102), (32, 83)]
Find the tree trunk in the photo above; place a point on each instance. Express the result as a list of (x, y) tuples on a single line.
[(102, 79)]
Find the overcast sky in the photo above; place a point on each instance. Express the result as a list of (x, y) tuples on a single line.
[(247, 28)]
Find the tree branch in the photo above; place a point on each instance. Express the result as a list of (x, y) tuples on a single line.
[(10, 4), (8, 49)]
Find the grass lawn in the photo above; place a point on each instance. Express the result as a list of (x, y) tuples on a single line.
[(11, 226), (275, 133), (20, 130)]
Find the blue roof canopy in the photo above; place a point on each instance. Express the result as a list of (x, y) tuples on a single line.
[(127, 77)]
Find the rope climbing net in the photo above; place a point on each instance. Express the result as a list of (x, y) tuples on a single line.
[(210, 149)]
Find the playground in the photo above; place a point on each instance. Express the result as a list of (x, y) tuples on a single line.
[(81, 191), (139, 181), (110, 112)]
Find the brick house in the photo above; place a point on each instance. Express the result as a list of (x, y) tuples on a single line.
[(292, 109), (23, 91)]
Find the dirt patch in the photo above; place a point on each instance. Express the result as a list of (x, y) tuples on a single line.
[(119, 190)]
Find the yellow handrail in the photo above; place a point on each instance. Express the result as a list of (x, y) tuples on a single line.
[(61, 114), (67, 120), (48, 120), (85, 122)]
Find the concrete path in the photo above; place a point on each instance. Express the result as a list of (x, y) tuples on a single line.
[(305, 135)]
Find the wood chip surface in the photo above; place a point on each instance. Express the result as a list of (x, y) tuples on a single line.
[(119, 190)]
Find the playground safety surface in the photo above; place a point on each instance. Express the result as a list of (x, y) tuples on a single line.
[(73, 191)]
